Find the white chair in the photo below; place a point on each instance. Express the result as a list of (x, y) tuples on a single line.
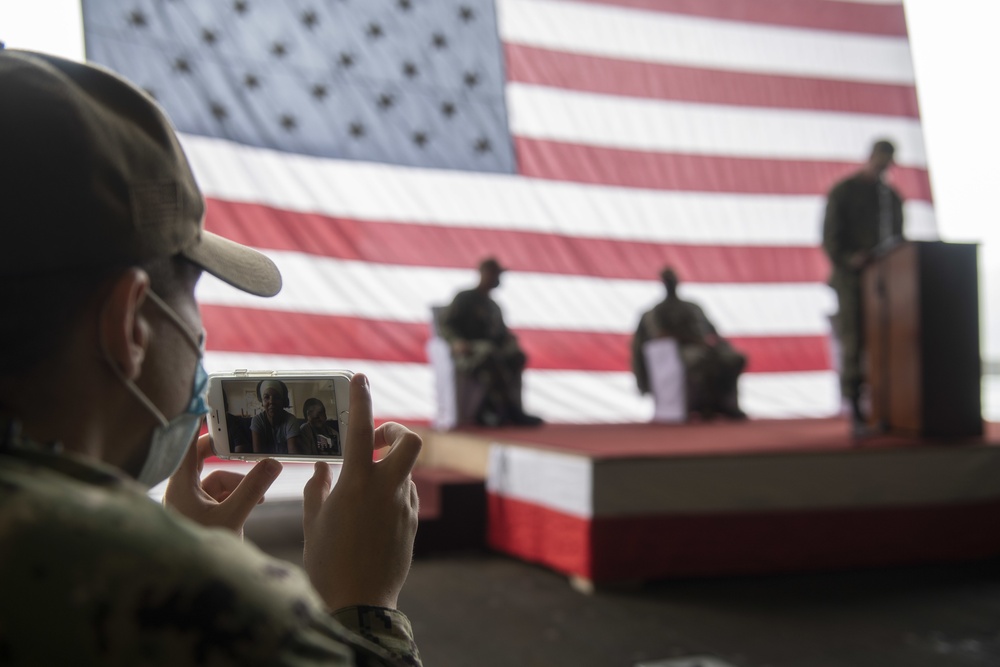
[(457, 395), (666, 380)]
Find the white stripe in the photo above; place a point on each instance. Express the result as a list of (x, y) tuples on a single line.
[(489, 201), (631, 34), (705, 129), (561, 482), (323, 286), (406, 391), (802, 481)]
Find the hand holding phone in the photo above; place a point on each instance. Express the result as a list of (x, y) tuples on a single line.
[(359, 536), (222, 499)]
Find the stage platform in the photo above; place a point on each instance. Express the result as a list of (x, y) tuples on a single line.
[(631, 502)]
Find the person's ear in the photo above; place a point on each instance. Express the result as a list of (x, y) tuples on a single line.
[(124, 331)]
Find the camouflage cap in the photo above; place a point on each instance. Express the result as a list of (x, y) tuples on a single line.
[(93, 175)]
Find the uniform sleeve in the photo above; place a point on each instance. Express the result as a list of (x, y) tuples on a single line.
[(833, 229), (147, 587), (387, 629), (450, 324), (638, 358), (897, 215)]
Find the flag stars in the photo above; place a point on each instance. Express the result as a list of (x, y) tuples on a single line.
[(357, 130), (466, 14), (279, 50), (251, 82), (448, 109), (404, 5), (319, 91), (137, 19), (219, 111), (420, 139), (288, 122), (483, 145), (471, 79), (346, 60), (309, 19), (374, 31), (241, 6), (209, 36), (409, 70), (385, 101), (182, 66), (439, 41)]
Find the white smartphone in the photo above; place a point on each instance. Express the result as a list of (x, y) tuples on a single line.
[(284, 415)]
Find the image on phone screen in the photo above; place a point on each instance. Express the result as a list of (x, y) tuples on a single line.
[(282, 417)]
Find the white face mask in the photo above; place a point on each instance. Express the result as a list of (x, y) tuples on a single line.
[(171, 438)]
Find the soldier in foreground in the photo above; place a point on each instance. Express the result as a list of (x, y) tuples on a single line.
[(102, 395)]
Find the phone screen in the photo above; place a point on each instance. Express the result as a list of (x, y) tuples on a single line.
[(284, 417)]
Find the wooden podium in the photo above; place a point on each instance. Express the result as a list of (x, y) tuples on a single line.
[(920, 308)]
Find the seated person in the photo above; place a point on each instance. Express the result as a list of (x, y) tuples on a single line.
[(240, 437), (319, 434), (711, 365), (483, 346), (275, 430)]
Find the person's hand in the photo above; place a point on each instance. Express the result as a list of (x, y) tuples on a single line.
[(224, 498), (460, 347), (858, 260), (359, 536)]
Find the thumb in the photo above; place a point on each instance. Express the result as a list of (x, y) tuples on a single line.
[(314, 495), (249, 492)]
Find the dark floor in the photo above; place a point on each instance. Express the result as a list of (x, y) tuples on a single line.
[(488, 610)]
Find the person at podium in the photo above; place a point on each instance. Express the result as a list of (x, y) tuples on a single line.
[(864, 214)]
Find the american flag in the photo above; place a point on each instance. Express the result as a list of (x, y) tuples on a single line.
[(377, 149)]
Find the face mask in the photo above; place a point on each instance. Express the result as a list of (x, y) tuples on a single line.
[(171, 438)]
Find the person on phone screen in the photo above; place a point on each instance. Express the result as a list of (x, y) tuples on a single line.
[(320, 436), (102, 396), (275, 430)]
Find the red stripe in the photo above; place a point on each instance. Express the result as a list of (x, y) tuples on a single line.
[(636, 548), (457, 247), (700, 173), (608, 76), (255, 331), (870, 19)]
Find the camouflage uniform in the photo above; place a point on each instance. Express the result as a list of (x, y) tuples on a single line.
[(850, 226), (94, 572), (711, 371), (495, 359)]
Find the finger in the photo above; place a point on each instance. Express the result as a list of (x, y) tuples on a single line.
[(414, 497), (405, 448), (248, 493), (204, 447), (220, 483), (358, 448), (314, 494), (189, 471)]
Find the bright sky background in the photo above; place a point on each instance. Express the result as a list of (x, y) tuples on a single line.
[(956, 50)]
